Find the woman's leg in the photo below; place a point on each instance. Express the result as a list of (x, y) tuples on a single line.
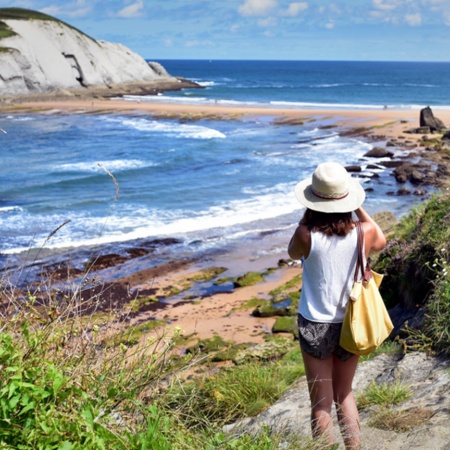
[(319, 374), (347, 411)]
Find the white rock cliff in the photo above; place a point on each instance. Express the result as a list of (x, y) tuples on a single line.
[(47, 55)]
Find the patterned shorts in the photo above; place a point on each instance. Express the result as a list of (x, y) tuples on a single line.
[(321, 340)]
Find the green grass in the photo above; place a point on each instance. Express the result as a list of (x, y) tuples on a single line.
[(233, 393), (415, 263), (384, 394), (71, 381)]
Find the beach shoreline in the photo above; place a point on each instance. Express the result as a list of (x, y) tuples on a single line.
[(219, 313)]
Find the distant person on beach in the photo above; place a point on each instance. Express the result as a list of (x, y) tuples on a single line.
[(326, 242)]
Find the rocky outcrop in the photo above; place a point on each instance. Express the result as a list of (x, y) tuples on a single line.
[(427, 119), (428, 380), (42, 55), (379, 152)]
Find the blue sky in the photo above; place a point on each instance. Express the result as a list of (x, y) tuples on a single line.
[(382, 30)]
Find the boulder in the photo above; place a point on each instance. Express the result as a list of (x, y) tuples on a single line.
[(427, 119), (379, 152), (353, 168)]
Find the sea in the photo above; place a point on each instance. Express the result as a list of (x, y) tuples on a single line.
[(72, 184)]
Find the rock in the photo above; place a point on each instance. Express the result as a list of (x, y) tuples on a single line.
[(402, 173), (263, 352), (378, 152), (353, 168), (427, 377), (420, 130), (416, 177), (391, 164), (427, 119), (446, 135), (403, 191)]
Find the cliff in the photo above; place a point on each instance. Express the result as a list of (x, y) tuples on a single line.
[(39, 54)]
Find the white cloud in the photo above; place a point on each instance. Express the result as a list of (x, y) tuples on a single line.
[(133, 10), (433, 2), (74, 10), (385, 5), (413, 19), (51, 10), (329, 25), (268, 22), (447, 19), (295, 9), (199, 44), (168, 42), (82, 12), (256, 7)]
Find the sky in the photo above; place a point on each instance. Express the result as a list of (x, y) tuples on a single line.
[(358, 30)]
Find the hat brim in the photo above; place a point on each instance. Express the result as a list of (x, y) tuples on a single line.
[(354, 199)]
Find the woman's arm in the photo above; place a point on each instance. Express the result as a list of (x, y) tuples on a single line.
[(300, 243), (374, 237)]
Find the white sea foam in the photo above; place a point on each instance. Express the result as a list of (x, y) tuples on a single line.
[(173, 129), (100, 166), (7, 209), (145, 223)]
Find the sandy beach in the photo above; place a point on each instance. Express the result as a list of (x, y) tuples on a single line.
[(222, 314), (390, 122)]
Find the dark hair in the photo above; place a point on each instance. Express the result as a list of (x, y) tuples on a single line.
[(328, 223)]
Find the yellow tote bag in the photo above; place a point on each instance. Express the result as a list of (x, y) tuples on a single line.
[(366, 323)]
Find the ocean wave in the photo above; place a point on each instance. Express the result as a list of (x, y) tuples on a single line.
[(8, 209), (165, 99), (282, 103), (144, 223), (173, 129), (100, 166)]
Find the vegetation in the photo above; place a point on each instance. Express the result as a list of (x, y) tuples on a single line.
[(25, 14), (416, 264), (69, 383), (75, 377), (384, 394), (400, 420), (384, 397)]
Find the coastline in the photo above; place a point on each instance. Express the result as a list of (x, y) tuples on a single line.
[(220, 313), (392, 121)]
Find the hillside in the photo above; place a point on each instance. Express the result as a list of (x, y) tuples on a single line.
[(40, 54)]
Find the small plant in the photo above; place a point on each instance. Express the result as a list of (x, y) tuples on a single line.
[(383, 394), (400, 420)]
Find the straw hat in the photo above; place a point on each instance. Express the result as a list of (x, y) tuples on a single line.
[(331, 189)]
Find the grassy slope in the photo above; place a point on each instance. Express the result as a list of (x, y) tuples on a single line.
[(415, 262)]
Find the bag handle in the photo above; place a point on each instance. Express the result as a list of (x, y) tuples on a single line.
[(366, 273)]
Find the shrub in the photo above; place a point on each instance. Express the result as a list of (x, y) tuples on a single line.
[(415, 263)]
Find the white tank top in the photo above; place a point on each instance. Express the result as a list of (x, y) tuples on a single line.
[(328, 274)]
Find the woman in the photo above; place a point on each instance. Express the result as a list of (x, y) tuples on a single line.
[(326, 241)]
